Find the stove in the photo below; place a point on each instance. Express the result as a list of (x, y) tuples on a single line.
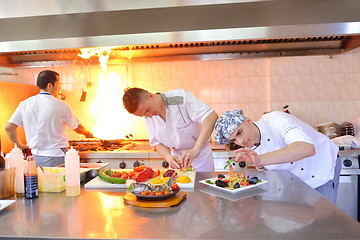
[(124, 154), (348, 192), (101, 145)]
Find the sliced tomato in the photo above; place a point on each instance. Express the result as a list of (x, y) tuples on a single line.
[(140, 168), (131, 174), (141, 177), (125, 175), (156, 173)]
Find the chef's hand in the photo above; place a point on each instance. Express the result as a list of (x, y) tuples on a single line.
[(173, 161), (249, 156), (187, 157), (22, 146), (88, 135)]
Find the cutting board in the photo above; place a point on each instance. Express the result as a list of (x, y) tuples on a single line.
[(99, 183), (133, 200)]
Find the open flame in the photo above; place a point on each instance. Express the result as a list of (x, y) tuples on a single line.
[(107, 106)]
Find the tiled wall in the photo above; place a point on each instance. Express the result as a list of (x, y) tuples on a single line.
[(316, 88)]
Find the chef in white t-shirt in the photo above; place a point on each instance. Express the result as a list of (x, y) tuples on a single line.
[(280, 141), (178, 124)]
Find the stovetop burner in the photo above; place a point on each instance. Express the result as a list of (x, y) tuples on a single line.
[(99, 145)]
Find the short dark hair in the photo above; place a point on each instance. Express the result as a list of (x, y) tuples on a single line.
[(46, 77), (132, 97)]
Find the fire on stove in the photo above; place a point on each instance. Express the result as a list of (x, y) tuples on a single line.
[(101, 145)]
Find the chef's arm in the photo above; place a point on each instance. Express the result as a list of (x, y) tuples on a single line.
[(165, 153), (207, 127), (10, 129), (82, 130), (291, 153)]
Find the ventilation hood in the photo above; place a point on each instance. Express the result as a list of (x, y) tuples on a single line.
[(34, 34)]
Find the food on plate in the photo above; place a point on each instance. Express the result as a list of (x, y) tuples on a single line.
[(169, 173), (158, 181), (154, 190), (183, 179), (109, 177), (233, 180)]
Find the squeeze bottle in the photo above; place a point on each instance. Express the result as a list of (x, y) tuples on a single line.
[(16, 159), (72, 173)]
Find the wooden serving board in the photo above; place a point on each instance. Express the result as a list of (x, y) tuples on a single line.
[(133, 200)]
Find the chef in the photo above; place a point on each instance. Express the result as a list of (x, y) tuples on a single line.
[(45, 119), (280, 141), (178, 124)]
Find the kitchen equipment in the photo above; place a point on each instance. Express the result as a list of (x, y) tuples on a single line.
[(72, 173), (133, 200), (7, 183), (53, 179), (348, 192), (327, 128)]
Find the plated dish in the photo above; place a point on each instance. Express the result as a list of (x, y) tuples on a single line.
[(156, 198), (5, 203), (231, 190)]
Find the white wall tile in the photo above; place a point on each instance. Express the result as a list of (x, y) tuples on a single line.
[(321, 64), (219, 69), (356, 82), (279, 66), (321, 87), (259, 89), (201, 89), (238, 68), (342, 111), (280, 88), (343, 86), (180, 70), (259, 67), (356, 66), (160, 71), (238, 90), (342, 63), (300, 87), (300, 65), (219, 90), (199, 69), (322, 111)]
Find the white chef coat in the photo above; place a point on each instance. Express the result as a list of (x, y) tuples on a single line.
[(279, 129), (44, 118), (184, 115)]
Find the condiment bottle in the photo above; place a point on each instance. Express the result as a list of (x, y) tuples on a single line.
[(16, 159), (31, 178), (72, 173)]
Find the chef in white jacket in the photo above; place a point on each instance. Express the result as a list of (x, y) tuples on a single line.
[(280, 141), (179, 125)]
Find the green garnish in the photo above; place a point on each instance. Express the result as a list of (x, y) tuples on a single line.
[(209, 181), (228, 162)]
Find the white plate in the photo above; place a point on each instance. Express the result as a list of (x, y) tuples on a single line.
[(242, 188), (5, 203)]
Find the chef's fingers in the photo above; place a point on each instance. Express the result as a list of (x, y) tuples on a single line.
[(242, 150), (175, 162)]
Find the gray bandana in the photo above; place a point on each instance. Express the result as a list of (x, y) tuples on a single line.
[(227, 124)]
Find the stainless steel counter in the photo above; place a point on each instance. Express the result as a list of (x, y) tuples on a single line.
[(283, 208)]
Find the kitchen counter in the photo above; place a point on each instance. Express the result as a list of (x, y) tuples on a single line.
[(283, 208)]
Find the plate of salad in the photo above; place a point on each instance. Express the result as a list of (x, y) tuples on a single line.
[(233, 182)]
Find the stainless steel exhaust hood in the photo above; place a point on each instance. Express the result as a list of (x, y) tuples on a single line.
[(174, 30)]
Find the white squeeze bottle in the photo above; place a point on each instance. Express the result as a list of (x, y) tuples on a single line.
[(72, 173), (17, 160)]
